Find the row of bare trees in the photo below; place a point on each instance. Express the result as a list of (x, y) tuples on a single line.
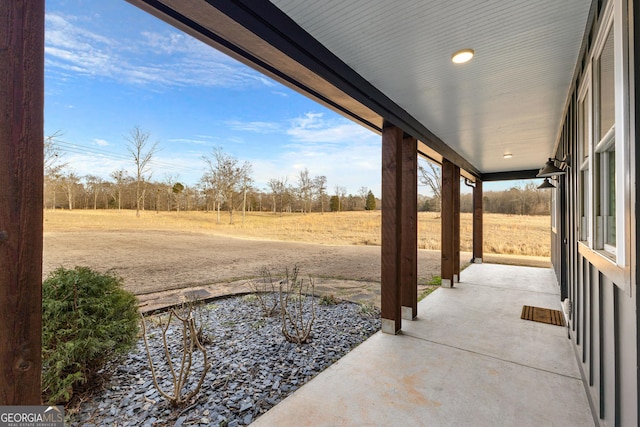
[(226, 185), (518, 200)]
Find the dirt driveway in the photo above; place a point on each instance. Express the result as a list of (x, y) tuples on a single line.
[(154, 261), (159, 262)]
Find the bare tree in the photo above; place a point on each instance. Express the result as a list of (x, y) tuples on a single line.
[(432, 178), (279, 192), (169, 181), (305, 187), (94, 186), (69, 182), (320, 185), (363, 192), (52, 165), (227, 177), (340, 193), (120, 179), (246, 185), (137, 145)]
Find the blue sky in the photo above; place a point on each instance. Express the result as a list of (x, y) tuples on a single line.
[(110, 66)]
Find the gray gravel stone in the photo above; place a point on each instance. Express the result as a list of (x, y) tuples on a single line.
[(252, 367)]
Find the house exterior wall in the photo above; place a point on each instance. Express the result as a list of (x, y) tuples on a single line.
[(600, 281)]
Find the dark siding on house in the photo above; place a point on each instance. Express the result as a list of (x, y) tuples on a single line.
[(604, 319)]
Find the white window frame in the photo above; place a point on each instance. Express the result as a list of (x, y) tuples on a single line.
[(602, 146), (585, 98), (615, 15)]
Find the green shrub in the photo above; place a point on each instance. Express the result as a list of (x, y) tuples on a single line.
[(87, 321)]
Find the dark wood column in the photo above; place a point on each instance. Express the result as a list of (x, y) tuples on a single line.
[(409, 228), (21, 181), (477, 222), (390, 292), (456, 224), (450, 217)]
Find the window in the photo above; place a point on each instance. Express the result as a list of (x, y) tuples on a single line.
[(604, 149), (584, 145), (604, 145)]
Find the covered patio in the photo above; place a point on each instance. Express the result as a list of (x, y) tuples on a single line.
[(462, 356), (466, 360)]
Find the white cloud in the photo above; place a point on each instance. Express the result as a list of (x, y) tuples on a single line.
[(257, 127), (162, 59), (313, 128), (101, 142), (346, 153), (280, 93)]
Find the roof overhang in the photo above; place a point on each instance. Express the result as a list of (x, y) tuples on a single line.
[(376, 61)]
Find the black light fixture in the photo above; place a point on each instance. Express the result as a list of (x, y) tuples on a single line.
[(546, 184), (550, 169)]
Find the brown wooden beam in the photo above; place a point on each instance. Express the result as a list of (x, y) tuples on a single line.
[(456, 224), (390, 292), (21, 183), (450, 218), (409, 231), (477, 222)]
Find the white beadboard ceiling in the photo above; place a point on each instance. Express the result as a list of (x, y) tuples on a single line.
[(508, 99)]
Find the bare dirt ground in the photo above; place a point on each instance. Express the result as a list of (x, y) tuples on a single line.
[(153, 261), (156, 263)]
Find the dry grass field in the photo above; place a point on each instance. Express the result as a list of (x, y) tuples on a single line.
[(503, 234)]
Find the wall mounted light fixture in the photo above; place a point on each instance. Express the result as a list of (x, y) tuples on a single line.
[(550, 169), (546, 184)]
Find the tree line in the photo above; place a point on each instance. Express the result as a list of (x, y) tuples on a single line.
[(226, 185), (517, 200)]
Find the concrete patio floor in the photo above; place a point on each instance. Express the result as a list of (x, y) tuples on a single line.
[(467, 360)]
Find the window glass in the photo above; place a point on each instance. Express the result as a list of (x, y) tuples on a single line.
[(585, 123), (611, 199), (607, 87)]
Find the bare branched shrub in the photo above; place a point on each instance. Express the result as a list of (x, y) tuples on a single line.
[(266, 291), (297, 306), (201, 316), (190, 344)]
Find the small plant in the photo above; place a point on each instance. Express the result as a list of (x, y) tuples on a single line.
[(190, 344), (266, 290), (250, 298), (88, 320), (297, 307), (368, 309), (435, 281), (432, 284), (328, 300)]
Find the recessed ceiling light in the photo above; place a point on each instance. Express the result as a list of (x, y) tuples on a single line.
[(462, 56), (507, 155)]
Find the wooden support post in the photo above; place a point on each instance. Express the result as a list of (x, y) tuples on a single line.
[(391, 225), (450, 218), (456, 224), (21, 184), (409, 231), (477, 222)]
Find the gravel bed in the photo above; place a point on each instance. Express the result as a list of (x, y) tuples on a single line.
[(252, 366)]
